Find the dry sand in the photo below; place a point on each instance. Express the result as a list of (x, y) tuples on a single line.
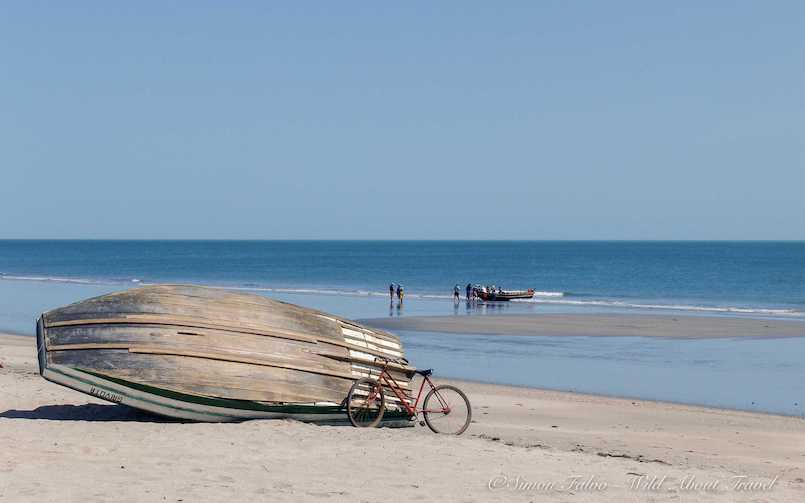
[(60, 445), (683, 326)]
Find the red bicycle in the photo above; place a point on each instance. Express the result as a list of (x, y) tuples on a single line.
[(445, 409)]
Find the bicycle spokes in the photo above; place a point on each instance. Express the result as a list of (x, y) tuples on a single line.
[(365, 403), (447, 410), (443, 402)]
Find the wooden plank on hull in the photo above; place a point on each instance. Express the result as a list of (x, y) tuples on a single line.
[(208, 377), (190, 323), (227, 358), (206, 340), (221, 356), (352, 357), (298, 337), (375, 333), (362, 349), (206, 304), (370, 339), (182, 322)]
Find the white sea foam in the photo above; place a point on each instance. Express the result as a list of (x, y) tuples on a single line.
[(51, 279)]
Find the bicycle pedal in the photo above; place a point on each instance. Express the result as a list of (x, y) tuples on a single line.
[(422, 423)]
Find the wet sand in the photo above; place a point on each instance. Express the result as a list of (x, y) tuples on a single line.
[(614, 325), (523, 445)]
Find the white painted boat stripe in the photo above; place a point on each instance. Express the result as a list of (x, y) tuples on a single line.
[(385, 351), (364, 336)]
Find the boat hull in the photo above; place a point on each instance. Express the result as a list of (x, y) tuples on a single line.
[(201, 354), (504, 296)]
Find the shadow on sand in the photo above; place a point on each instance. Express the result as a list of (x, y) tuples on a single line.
[(86, 412)]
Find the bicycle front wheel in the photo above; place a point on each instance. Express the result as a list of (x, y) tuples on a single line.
[(366, 403), (447, 410)]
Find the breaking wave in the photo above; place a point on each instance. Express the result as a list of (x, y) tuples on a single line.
[(54, 279)]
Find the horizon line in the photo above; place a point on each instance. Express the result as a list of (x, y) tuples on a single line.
[(499, 240)]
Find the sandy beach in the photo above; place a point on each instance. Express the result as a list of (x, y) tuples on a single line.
[(614, 325), (524, 445)]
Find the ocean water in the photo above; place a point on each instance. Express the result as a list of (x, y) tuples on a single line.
[(759, 375), (754, 278), (350, 278)]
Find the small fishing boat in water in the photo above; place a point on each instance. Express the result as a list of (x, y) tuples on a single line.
[(494, 294), (208, 354)]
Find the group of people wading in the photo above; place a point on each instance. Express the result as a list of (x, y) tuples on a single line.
[(473, 293), (396, 289), (470, 290)]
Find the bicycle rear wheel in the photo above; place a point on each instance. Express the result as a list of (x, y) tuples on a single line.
[(447, 410), (366, 403)]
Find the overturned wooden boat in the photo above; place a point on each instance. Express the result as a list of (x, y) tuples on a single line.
[(209, 354)]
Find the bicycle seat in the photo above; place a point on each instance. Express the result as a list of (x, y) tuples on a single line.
[(425, 373)]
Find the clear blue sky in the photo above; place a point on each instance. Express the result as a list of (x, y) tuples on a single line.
[(532, 120)]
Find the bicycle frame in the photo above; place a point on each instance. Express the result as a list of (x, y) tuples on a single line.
[(411, 409)]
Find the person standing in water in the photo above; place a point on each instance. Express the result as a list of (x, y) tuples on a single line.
[(456, 293), (469, 292), (400, 293), (391, 291)]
